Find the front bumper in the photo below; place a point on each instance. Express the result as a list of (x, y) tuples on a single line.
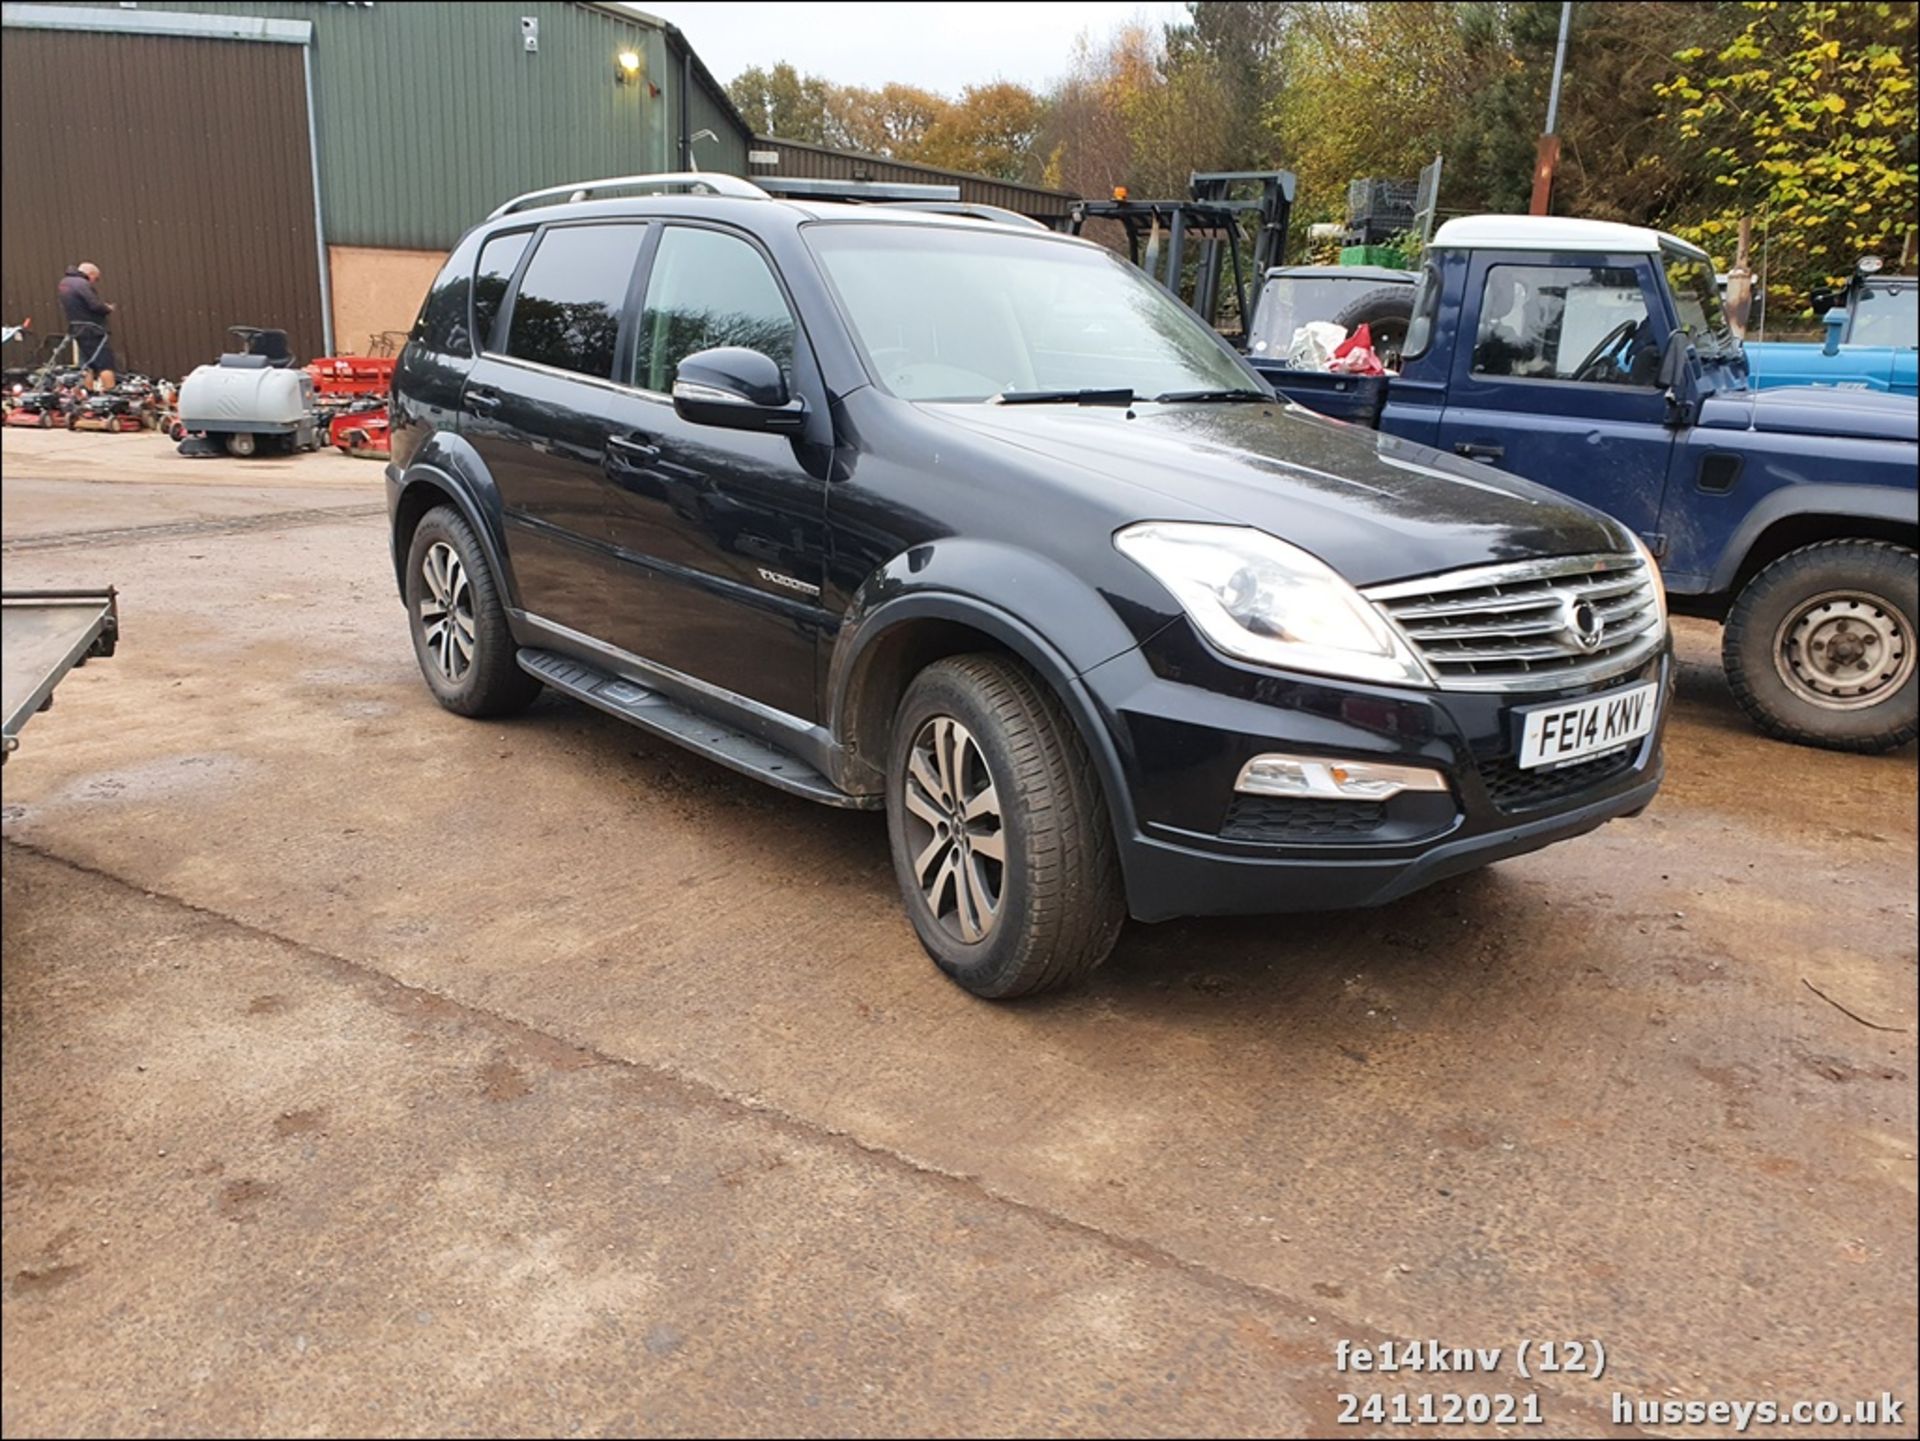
[(1183, 720)]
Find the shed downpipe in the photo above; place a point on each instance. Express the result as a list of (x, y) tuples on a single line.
[(686, 108), (319, 222)]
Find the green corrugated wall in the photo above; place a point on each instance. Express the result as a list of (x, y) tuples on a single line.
[(730, 154), (431, 114)]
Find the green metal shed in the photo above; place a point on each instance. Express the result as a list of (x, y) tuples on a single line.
[(414, 120), (428, 114)]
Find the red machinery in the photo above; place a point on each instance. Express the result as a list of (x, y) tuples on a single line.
[(350, 394), (361, 431)]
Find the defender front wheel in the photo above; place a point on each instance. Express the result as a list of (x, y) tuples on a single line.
[(1820, 648)]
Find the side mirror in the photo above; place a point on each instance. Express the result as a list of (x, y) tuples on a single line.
[(1823, 299), (1672, 375), (735, 388), (1835, 321), (1673, 361)]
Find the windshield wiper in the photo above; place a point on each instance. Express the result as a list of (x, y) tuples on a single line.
[(1064, 397), (1210, 396)]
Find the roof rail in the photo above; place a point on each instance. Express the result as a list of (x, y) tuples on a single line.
[(998, 214), (697, 181)]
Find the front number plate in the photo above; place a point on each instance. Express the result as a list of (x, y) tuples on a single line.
[(1554, 734)]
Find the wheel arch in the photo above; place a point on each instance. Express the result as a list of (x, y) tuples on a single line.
[(441, 479), (896, 641), (1799, 516)]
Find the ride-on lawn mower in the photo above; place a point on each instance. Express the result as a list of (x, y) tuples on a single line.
[(249, 400)]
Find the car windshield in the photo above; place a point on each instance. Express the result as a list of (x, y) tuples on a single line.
[(952, 314), (1288, 302), (1696, 295), (1886, 315)]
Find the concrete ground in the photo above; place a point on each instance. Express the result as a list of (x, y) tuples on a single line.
[(370, 1070)]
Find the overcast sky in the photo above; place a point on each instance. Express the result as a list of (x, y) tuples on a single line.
[(935, 46)]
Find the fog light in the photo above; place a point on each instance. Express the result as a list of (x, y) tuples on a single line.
[(1323, 778)]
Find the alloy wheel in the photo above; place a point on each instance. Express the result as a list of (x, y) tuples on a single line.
[(954, 829), (446, 611)]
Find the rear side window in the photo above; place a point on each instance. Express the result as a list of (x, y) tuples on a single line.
[(566, 313), (707, 289), (442, 325), (498, 259)]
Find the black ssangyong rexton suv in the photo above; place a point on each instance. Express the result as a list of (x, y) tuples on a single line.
[(945, 514)]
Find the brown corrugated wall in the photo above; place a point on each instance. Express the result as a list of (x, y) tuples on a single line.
[(818, 162), (180, 167)]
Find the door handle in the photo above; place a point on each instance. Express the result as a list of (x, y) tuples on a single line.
[(1478, 450), (484, 401), (632, 449)]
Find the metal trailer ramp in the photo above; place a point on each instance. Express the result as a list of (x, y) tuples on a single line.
[(43, 635)]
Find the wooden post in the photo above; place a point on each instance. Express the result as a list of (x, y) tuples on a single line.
[(1740, 282), (1546, 159)]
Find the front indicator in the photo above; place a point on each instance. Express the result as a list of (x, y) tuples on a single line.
[(1322, 778)]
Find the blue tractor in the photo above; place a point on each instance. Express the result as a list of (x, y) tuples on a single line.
[(1872, 342)]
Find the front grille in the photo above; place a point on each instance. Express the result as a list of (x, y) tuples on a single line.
[(1276, 820), (1516, 627), (1512, 789)]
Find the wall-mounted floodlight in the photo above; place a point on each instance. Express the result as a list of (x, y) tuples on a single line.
[(626, 67)]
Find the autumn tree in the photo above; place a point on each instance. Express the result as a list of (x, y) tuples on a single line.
[(893, 120), (781, 101), (989, 130), (1233, 50), (1805, 121), (1085, 143)]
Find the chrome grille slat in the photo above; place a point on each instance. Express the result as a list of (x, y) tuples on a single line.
[(1502, 653), (1508, 627), (1610, 587), (1474, 606), (1462, 630), (1626, 605)]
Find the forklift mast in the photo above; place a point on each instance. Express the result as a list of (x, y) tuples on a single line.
[(1214, 219)]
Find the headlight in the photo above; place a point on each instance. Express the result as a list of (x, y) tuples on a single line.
[(1263, 600), (1653, 569)]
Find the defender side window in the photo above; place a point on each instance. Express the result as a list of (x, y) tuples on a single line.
[(708, 288), (1566, 322), (566, 313), (498, 259)]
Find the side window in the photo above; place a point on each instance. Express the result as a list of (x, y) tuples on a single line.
[(442, 324), (1566, 322), (706, 289), (498, 258), (1426, 309), (567, 311)]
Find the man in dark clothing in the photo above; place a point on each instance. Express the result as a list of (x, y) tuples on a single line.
[(87, 316)]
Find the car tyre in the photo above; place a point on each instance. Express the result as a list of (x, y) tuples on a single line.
[(1387, 311), (999, 830), (1857, 600), (459, 622)]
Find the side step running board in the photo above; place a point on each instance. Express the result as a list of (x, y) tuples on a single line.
[(653, 711)]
